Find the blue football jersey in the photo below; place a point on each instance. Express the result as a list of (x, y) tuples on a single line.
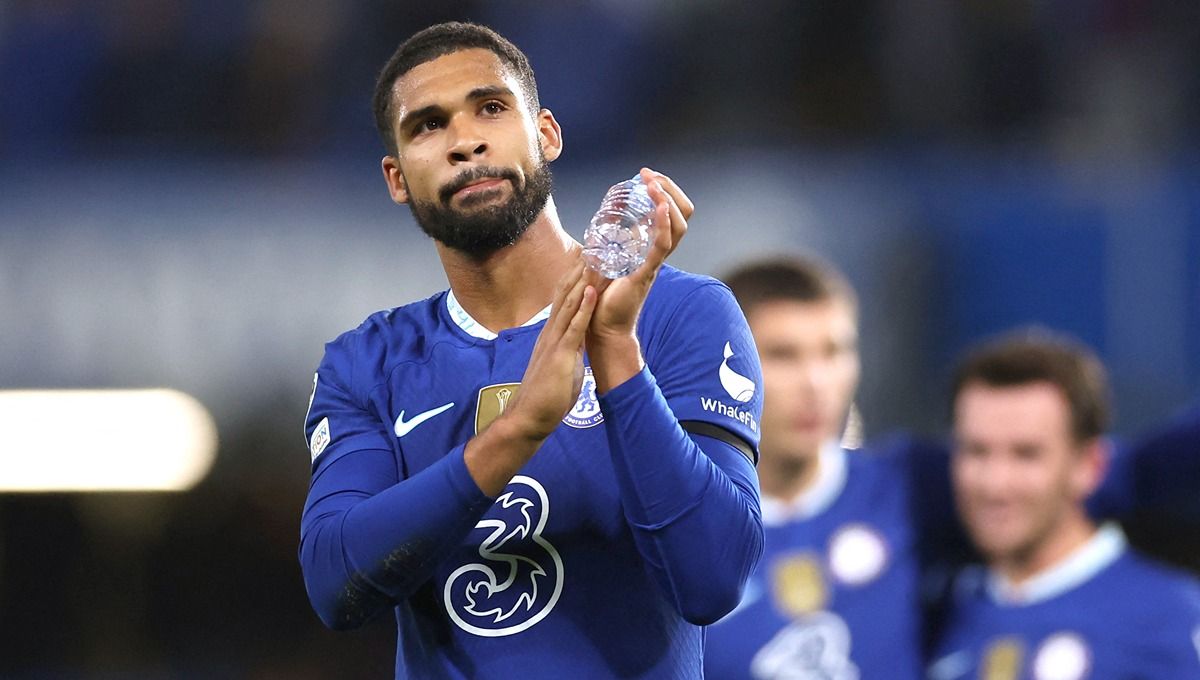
[(1105, 612), (548, 582), (835, 594)]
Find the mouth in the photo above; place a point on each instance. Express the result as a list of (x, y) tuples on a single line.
[(806, 422), (477, 183), (995, 516), (480, 186)]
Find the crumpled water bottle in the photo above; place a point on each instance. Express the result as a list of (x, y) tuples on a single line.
[(619, 236)]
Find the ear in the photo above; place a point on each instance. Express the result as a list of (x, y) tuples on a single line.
[(1091, 467), (549, 135), (392, 174)]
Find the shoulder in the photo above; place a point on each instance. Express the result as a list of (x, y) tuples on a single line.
[(384, 338), (675, 286), (690, 303), (1162, 588)]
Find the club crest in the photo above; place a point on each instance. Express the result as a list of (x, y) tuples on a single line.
[(586, 412)]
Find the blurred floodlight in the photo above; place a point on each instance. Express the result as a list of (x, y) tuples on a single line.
[(103, 440)]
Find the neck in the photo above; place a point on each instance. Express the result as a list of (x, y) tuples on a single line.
[(508, 287), (1074, 531), (786, 478)]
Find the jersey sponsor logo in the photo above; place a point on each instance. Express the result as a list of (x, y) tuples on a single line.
[(320, 438), (1063, 656), (814, 646), (857, 554), (403, 426), (586, 412), (739, 387), (492, 401), (519, 577), (744, 417)]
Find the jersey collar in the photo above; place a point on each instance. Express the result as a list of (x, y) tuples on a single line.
[(475, 329), (1091, 558), (825, 489)]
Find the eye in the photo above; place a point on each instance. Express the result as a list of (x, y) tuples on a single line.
[(428, 125), (970, 449), (493, 108), (1028, 452)]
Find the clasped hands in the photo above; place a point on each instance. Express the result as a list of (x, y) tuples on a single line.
[(599, 315)]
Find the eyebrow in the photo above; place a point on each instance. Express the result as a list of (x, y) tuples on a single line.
[(416, 114), (489, 91), (474, 95)]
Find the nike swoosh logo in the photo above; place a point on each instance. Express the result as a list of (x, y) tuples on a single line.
[(403, 427)]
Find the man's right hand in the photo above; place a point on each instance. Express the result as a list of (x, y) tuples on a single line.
[(548, 390)]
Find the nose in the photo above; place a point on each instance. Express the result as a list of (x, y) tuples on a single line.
[(814, 376), (466, 143), (993, 476)]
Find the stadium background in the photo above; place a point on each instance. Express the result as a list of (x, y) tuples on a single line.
[(190, 197)]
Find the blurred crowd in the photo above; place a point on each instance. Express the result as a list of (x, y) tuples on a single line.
[(270, 77)]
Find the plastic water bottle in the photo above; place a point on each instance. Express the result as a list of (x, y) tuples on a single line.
[(618, 238)]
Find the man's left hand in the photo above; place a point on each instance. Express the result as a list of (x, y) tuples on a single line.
[(611, 337)]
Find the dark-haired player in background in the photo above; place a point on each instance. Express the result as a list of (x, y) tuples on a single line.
[(860, 545), (526, 509), (836, 593), (1061, 598)]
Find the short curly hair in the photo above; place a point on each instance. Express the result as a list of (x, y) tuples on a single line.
[(436, 41)]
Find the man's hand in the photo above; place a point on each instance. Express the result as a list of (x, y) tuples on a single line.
[(611, 336), (548, 390), (554, 376)]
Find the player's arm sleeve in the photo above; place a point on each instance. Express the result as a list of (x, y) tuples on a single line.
[(368, 538), (1158, 471), (692, 498)]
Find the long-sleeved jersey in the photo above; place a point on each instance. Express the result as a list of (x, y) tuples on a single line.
[(635, 523)]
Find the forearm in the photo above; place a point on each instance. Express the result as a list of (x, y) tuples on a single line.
[(694, 511), (614, 360), (361, 553), (497, 453)]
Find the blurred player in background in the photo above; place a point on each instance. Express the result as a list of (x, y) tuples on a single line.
[(524, 509), (860, 547), (1060, 597), (836, 593)]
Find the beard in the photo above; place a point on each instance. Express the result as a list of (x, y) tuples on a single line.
[(481, 232)]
